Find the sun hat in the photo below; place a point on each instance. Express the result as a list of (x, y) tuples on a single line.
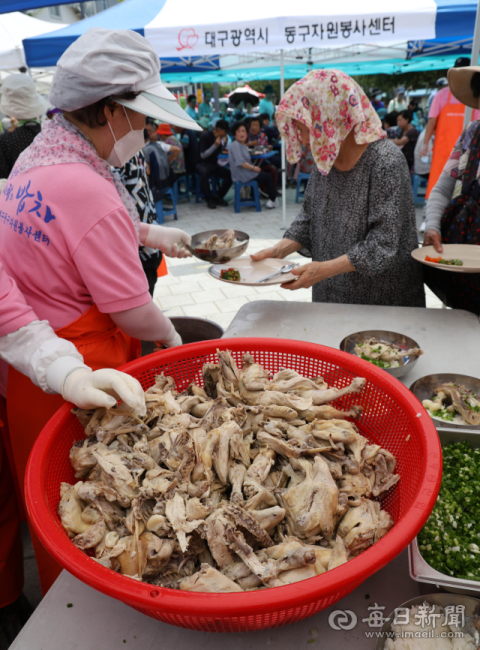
[(110, 63), (401, 90), (268, 89), (443, 81), (20, 98), (164, 129), (459, 80)]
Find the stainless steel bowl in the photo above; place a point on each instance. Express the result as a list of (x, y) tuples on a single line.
[(404, 342), (471, 613), (218, 255), (424, 388)]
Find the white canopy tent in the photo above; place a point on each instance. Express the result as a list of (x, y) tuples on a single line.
[(283, 26), (14, 28)]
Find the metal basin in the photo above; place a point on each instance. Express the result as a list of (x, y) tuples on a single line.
[(471, 612), (404, 342), (218, 255), (193, 330), (424, 388)]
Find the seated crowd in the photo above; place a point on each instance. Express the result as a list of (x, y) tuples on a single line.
[(220, 156)]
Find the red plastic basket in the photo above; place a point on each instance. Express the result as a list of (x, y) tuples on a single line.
[(393, 418)]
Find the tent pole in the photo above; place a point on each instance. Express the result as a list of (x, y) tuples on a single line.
[(474, 60), (284, 162)]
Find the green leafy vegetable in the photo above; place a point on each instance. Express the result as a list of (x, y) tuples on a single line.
[(450, 540)]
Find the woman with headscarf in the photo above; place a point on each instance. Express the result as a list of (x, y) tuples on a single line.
[(70, 232), (453, 209), (357, 221)]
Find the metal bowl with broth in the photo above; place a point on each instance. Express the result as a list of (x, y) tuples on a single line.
[(403, 342), (218, 255)]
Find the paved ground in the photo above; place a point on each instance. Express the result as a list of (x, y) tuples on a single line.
[(189, 290)]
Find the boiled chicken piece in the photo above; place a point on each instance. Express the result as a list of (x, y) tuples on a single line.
[(226, 240), (327, 412), (176, 514), (91, 537), (270, 398), (70, 511), (211, 243), (385, 524), (244, 519), (269, 517), (116, 474), (358, 527), (236, 475), (253, 376), (332, 430), (195, 509), (355, 486), (217, 526), (82, 458), (384, 479), (209, 580), (296, 575), (374, 349), (465, 402), (323, 396), (278, 411), (287, 380), (339, 554)]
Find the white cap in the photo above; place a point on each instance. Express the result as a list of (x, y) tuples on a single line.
[(20, 98), (110, 63)]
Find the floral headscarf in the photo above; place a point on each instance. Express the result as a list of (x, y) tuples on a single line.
[(330, 104)]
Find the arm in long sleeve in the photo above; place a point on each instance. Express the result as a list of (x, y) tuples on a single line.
[(299, 230), (208, 152), (439, 198)]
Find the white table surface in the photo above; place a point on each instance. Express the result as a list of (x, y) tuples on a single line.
[(98, 622), (450, 340)]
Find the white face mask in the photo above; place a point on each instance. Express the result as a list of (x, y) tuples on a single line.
[(125, 148)]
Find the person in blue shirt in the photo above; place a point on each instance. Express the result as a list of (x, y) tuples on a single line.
[(190, 107), (205, 110), (267, 103), (221, 115), (376, 99)]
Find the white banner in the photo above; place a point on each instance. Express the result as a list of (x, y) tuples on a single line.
[(406, 21)]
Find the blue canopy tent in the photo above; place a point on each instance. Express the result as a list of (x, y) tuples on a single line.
[(130, 14)]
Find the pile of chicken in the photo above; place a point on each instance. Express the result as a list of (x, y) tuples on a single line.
[(246, 483)]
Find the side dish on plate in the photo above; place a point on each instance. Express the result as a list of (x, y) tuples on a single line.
[(440, 260), (230, 274)]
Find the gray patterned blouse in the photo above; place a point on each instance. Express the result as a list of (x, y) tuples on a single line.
[(368, 214)]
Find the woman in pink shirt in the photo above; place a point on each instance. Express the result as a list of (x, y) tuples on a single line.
[(69, 231), (53, 364)]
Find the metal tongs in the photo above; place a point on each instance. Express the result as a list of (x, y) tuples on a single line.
[(285, 269)]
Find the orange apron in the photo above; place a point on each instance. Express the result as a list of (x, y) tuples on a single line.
[(11, 554), (103, 345), (448, 130)]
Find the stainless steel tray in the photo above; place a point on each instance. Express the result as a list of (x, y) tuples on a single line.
[(420, 570), (424, 388)]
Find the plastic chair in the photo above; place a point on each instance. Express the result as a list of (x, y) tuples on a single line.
[(179, 193), (245, 203), (161, 213), (417, 183), (302, 178), (198, 188)]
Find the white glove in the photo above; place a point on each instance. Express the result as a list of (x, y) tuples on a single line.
[(168, 240), (87, 389), (172, 341)]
